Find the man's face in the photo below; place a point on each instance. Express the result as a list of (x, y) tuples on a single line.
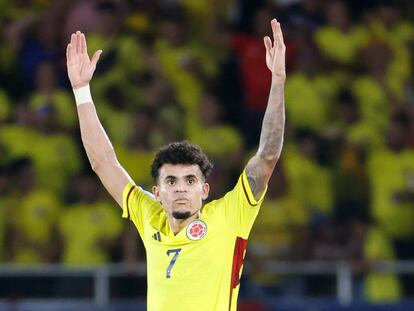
[(181, 189)]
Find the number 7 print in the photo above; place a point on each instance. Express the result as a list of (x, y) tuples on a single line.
[(176, 252)]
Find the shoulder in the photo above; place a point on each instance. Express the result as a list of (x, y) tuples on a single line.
[(138, 201)]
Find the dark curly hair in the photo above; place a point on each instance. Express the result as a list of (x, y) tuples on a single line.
[(181, 153)]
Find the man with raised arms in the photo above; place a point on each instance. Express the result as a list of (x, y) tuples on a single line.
[(194, 252)]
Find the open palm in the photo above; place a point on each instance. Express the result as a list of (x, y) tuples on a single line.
[(80, 67), (275, 52)]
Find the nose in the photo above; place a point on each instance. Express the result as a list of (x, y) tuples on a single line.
[(181, 187)]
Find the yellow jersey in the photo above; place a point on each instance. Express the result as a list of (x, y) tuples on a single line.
[(200, 267)]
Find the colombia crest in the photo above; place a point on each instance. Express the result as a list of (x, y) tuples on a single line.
[(196, 230)]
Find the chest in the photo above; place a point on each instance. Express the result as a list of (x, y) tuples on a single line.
[(201, 249)]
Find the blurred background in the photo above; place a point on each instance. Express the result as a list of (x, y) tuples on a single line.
[(336, 231)]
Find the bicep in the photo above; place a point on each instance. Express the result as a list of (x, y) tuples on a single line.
[(114, 178), (258, 172)]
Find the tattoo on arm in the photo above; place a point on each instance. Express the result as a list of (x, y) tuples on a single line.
[(256, 177), (271, 137), (260, 167), (252, 183)]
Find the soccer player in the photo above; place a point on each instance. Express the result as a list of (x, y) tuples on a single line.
[(194, 252)]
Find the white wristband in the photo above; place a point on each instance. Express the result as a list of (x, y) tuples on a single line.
[(83, 95)]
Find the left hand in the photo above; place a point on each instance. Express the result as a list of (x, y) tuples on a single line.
[(275, 53)]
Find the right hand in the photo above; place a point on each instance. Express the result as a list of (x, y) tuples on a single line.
[(80, 67)]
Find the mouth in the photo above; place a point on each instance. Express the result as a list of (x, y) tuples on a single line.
[(181, 201)]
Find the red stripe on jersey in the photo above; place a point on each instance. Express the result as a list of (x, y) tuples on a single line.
[(238, 257)]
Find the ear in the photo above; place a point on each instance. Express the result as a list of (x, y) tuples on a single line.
[(156, 192), (206, 191)]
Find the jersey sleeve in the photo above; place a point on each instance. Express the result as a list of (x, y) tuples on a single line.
[(238, 208), (137, 205)]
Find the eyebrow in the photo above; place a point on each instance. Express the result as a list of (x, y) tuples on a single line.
[(186, 176), (190, 176)]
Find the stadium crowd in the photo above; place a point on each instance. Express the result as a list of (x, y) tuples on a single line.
[(195, 70)]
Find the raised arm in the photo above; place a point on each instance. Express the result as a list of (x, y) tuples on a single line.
[(98, 147), (260, 167)]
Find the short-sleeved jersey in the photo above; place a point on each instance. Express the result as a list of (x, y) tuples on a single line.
[(200, 267)]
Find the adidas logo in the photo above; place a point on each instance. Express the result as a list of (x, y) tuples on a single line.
[(157, 236)]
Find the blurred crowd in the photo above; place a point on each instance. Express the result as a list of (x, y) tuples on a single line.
[(184, 69)]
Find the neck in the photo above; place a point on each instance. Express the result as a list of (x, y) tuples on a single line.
[(179, 224)]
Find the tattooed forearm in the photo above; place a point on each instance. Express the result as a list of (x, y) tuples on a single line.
[(271, 138), (260, 167)]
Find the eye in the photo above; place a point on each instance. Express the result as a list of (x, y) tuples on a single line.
[(171, 182), (191, 181)]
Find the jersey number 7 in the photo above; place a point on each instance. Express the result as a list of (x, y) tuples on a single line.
[(176, 252)]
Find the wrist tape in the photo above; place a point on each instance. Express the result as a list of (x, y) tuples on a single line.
[(83, 95)]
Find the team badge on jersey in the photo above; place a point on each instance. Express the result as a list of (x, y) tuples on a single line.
[(196, 230)]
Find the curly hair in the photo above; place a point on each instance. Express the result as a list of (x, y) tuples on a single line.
[(181, 153)]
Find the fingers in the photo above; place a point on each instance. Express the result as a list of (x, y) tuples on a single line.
[(71, 47), (274, 23), (73, 40), (83, 43), (267, 43), (77, 45), (68, 53), (95, 58), (78, 42), (277, 32)]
